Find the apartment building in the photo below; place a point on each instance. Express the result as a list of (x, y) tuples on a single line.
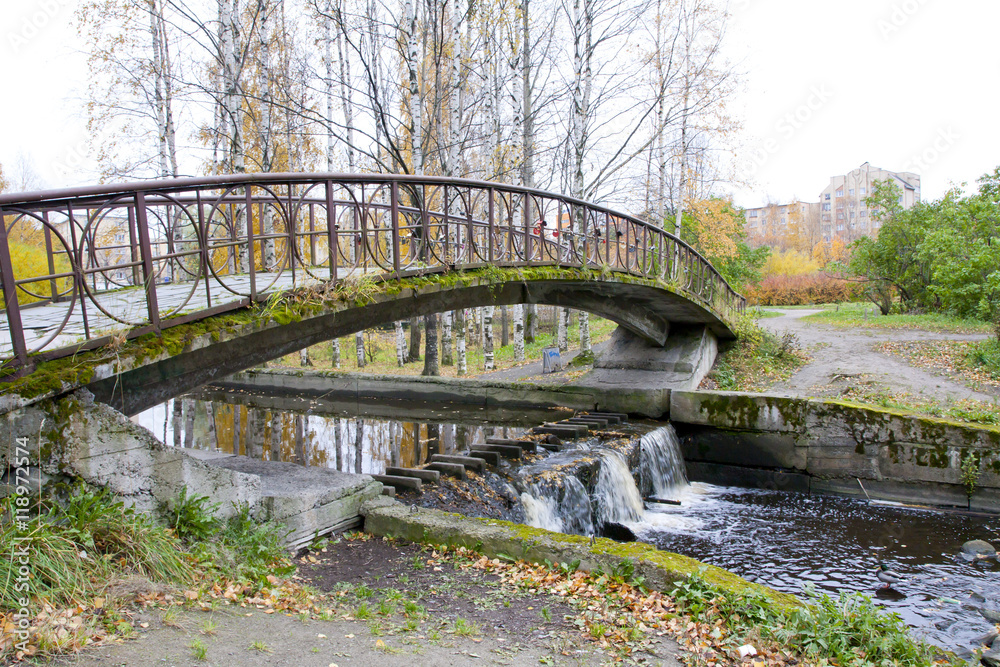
[(842, 204), (779, 224)]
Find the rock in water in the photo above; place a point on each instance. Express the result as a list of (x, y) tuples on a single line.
[(617, 532), (990, 615), (976, 549), (991, 658)]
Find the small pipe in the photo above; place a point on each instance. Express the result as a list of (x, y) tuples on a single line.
[(863, 489)]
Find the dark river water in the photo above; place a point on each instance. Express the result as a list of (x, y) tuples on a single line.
[(787, 540), (781, 539)]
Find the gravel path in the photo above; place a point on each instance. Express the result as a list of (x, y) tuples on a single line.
[(841, 355)]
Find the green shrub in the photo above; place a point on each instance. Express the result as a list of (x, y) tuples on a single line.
[(192, 517)]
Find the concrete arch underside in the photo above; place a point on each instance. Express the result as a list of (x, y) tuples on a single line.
[(645, 310)]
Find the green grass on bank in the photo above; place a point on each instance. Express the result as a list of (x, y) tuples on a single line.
[(865, 315), (756, 359), (380, 346)]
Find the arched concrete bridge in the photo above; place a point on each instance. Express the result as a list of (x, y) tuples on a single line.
[(155, 288)]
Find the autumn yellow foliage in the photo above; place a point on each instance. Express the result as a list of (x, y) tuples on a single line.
[(30, 261), (789, 263)]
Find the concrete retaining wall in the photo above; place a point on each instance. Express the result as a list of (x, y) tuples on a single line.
[(500, 400), (815, 445)]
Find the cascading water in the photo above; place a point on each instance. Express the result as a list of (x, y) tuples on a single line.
[(561, 505), (616, 497), (661, 463)]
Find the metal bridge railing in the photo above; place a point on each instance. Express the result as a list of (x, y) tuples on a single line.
[(81, 267)]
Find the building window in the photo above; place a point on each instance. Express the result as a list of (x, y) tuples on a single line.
[(851, 192), (840, 192), (119, 237), (827, 196), (840, 215), (864, 214), (863, 192), (826, 207), (753, 214)]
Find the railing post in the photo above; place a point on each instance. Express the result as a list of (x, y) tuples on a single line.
[(394, 204), (206, 257), (527, 230), (492, 227), (251, 260), (332, 240), (146, 250), (447, 229), (53, 288), (10, 297)]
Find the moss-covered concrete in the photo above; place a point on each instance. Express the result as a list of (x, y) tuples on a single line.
[(150, 368), (494, 538), (899, 455)]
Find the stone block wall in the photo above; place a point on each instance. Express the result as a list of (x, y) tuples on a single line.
[(895, 455)]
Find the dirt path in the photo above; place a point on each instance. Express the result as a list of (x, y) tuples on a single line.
[(842, 355), (416, 611)]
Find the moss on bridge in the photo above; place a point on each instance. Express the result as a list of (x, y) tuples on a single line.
[(56, 376)]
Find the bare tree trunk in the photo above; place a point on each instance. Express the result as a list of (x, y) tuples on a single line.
[(359, 348), (461, 363), (431, 366), (518, 333), (414, 340), (531, 322), (210, 416), (237, 427), (447, 357), (266, 102), (300, 440), (400, 343), (562, 334), (585, 343), (304, 359), (335, 353), (504, 335), (488, 338)]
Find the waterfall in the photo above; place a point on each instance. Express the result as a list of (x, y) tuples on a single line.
[(562, 506), (662, 466), (616, 497)]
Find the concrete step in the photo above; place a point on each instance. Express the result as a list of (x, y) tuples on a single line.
[(432, 476), (451, 469), (551, 446), (492, 458), (408, 483), (590, 426), (564, 431), (526, 445), (595, 421), (506, 451), (581, 429), (610, 416), (470, 462), (389, 491)]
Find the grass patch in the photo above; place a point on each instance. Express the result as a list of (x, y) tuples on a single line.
[(756, 359), (976, 363), (984, 356), (848, 631), (866, 316), (84, 542)]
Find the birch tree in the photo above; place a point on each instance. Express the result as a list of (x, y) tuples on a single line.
[(488, 338), (461, 363)]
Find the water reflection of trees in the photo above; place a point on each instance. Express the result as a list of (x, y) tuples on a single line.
[(349, 444)]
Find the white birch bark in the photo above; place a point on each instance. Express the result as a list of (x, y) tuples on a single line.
[(488, 338), (178, 422), (461, 363), (585, 343), (304, 359), (562, 333), (189, 406), (518, 333), (447, 342), (335, 353), (414, 100), (275, 436), (400, 343), (338, 442), (266, 102)]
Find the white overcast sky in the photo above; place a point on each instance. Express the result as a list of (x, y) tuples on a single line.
[(829, 84)]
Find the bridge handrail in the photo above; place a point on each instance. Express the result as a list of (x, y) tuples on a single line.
[(477, 230)]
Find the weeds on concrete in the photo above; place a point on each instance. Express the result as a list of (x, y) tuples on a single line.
[(756, 359)]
